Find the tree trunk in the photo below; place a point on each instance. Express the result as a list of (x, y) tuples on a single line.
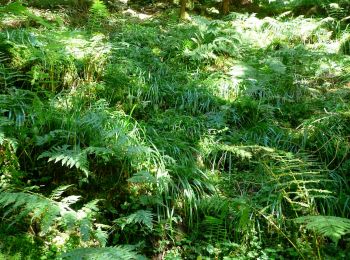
[(226, 6), (183, 14)]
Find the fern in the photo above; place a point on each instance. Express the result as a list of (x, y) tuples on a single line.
[(144, 217), (336, 11), (143, 177), (298, 180), (226, 214), (57, 193), (8, 76), (51, 212), (107, 253), (9, 142), (71, 158), (215, 205), (329, 226), (16, 104), (98, 15), (214, 228)]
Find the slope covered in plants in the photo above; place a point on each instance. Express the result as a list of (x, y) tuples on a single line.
[(126, 133)]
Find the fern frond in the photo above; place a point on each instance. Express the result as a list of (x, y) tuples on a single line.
[(329, 226), (49, 212), (40, 207), (214, 205), (8, 77), (144, 217), (101, 235), (57, 193), (297, 179), (5, 141), (214, 228), (98, 15), (71, 158), (143, 177)]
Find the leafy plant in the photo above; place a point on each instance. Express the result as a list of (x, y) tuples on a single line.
[(98, 15), (328, 226), (144, 217), (48, 214), (199, 139), (118, 252)]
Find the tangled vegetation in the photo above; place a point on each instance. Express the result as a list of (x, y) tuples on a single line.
[(128, 133)]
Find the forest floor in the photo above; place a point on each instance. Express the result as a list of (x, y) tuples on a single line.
[(209, 138)]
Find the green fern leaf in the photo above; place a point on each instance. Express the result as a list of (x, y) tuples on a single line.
[(144, 217), (17, 9), (214, 228), (41, 208), (101, 236), (50, 213), (57, 193), (71, 158), (329, 226), (85, 227), (70, 200), (143, 177)]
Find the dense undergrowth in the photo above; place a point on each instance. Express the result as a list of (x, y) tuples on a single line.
[(126, 135)]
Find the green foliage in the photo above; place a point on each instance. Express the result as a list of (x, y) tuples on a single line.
[(70, 158), (20, 245), (199, 139), (16, 8), (118, 252), (345, 44), (144, 217), (214, 39), (329, 226), (50, 213), (98, 15)]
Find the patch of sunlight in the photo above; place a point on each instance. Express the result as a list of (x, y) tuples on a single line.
[(60, 240), (331, 47), (271, 24), (307, 29), (258, 40), (46, 14), (275, 65), (62, 103), (241, 75), (329, 68), (213, 10), (136, 14), (253, 23), (228, 89), (201, 22), (13, 21), (80, 47), (257, 32), (334, 6), (241, 70)]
